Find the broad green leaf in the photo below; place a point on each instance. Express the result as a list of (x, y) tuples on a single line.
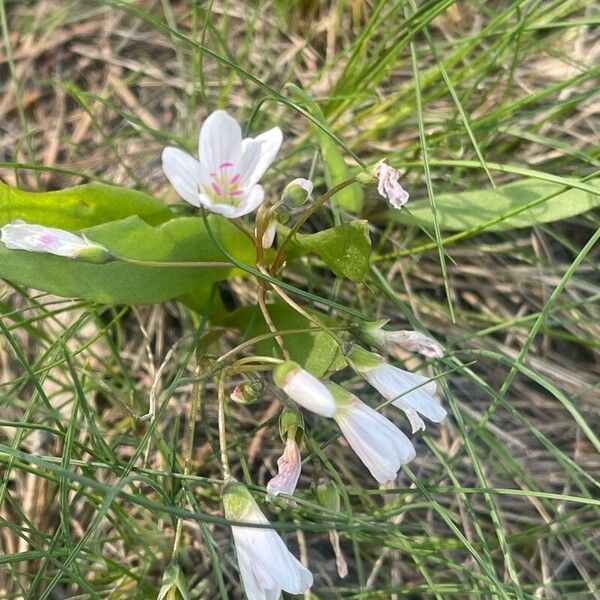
[(467, 210), (336, 170), (345, 249), (316, 351), (82, 206), (180, 239)]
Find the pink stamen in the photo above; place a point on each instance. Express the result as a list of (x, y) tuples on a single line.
[(216, 189), (224, 165), (235, 178), (235, 192)]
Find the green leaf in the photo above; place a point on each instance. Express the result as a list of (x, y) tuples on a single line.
[(345, 249), (467, 210), (336, 170), (180, 239), (316, 351), (82, 206)]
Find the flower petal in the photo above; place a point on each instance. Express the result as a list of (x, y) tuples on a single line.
[(184, 172), (393, 384), (252, 200), (306, 390), (381, 446), (255, 167), (220, 141)]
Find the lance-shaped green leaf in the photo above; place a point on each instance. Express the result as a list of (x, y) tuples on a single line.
[(182, 239), (345, 249), (79, 207), (313, 349), (336, 169), (522, 203)]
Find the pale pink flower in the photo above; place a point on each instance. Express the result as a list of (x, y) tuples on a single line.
[(18, 235), (225, 178), (388, 185), (289, 466)]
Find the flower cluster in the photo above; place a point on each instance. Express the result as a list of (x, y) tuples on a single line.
[(224, 179), (382, 447)]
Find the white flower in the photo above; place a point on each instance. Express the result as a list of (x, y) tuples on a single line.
[(18, 235), (305, 389), (381, 446), (414, 341), (225, 178), (289, 466), (388, 185), (266, 566), (410, 392)]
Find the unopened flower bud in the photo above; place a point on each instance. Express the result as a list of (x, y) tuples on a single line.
[(291, 419), (297, 192), (269, 234), (246, 393), (328, 495), (173, 585)]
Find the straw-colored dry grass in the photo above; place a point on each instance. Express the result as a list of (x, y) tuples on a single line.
[(502, 500)]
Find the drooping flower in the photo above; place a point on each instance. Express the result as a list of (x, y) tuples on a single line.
[(289, 466), (381, 446), (388, 185), (266, 566), (225, 178), (305, 389), (19, 235), (414, 341), (297, 191), (410, 392)]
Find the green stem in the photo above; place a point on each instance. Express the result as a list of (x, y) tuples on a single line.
[(222, 432), (313, 208)]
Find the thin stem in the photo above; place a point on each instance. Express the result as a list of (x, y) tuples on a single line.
[(222, 432), (189, 446), (175, 263), (269, 321), (313, 208)]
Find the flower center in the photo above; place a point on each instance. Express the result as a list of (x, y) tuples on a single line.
[(225, 185)]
